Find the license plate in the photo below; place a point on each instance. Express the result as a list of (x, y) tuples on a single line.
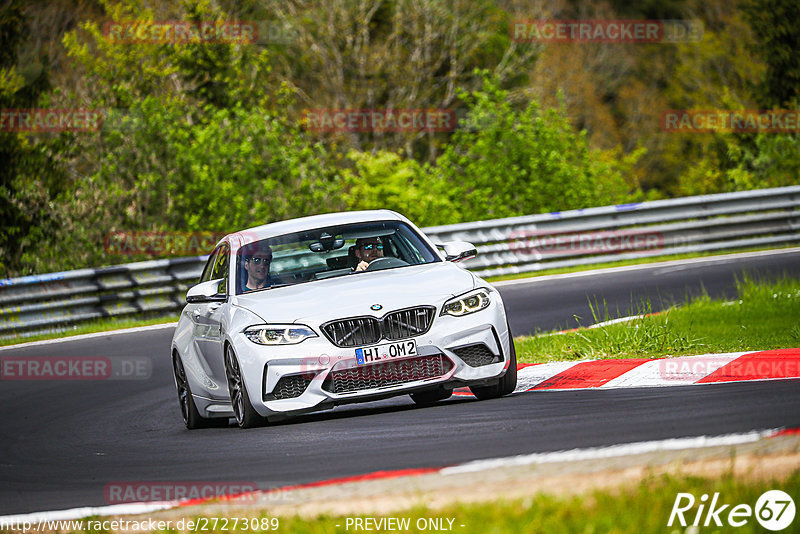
[(387, 351)]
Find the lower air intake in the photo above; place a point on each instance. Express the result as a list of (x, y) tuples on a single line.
[(476, 355), (290, 387), (384, 374)]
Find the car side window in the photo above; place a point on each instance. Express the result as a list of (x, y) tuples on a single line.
[(209, 268), (220, 269), (217, 264)]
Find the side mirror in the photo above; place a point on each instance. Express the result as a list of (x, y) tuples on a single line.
[(210, 291), (456, 251)]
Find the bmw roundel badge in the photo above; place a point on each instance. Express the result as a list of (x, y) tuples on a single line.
[(376, 307)]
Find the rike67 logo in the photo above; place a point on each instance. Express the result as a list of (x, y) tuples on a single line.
[(774, 510)]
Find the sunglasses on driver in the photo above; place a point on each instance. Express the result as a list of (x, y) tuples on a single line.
[(259, 260)]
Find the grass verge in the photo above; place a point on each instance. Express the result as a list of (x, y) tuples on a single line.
[(91, 327), (639, 508), (764, 316)]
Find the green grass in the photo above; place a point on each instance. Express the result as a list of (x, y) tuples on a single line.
[(91, 327), (623, 263), (764, 316), (640, 508)]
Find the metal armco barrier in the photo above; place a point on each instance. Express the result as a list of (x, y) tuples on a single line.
[(762, 218)]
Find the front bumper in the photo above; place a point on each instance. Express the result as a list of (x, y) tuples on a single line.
[(295, 379)]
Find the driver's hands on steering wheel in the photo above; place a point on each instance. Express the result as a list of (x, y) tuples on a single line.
[(362, 266)]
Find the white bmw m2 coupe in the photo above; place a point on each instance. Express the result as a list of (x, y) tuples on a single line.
[(306, 314)]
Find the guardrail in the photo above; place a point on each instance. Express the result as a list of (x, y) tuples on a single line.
[(762, 218)]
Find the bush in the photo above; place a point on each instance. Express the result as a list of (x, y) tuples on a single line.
[(161, 168), (510, 162)]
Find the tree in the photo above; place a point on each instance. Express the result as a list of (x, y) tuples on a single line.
[(30, 174), (777, 41), (159, 169), (517, 162), (396, 54)]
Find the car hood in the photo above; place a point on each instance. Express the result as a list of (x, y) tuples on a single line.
[(352, 295)]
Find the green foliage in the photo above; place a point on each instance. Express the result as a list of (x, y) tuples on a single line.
[(386, 180), (718, 74), (774, 23), (505, 162), (769, 160), (30, 174), (221, 171), (203, 136), (222, 74), (514, 162)]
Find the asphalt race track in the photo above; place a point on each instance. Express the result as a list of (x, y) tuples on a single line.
[(62, 442)]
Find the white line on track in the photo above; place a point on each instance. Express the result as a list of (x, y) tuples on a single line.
[(533, 279), (613, 451), (91, 336), (86, 511)]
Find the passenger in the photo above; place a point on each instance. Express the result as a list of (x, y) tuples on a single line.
[(257, 258)]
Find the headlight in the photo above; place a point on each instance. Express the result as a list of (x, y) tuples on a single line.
[(468, 303), (278, 334)]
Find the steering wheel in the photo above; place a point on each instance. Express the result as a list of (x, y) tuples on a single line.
[(385, 263)]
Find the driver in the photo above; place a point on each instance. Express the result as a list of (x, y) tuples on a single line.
[(368, 249)]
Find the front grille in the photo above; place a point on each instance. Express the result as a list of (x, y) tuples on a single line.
[(476, 355), (290, 387), (407, 323), (400, 324), (385, 374), (353, 332)]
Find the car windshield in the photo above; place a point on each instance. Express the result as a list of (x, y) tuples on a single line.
[(328, 253)]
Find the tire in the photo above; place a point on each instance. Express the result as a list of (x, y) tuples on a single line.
[(191, 416), (432, 396), (246, 415), (506, 384)]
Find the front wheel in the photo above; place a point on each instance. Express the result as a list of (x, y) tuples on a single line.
[(504, 386), (191, 416), (246, 415)]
